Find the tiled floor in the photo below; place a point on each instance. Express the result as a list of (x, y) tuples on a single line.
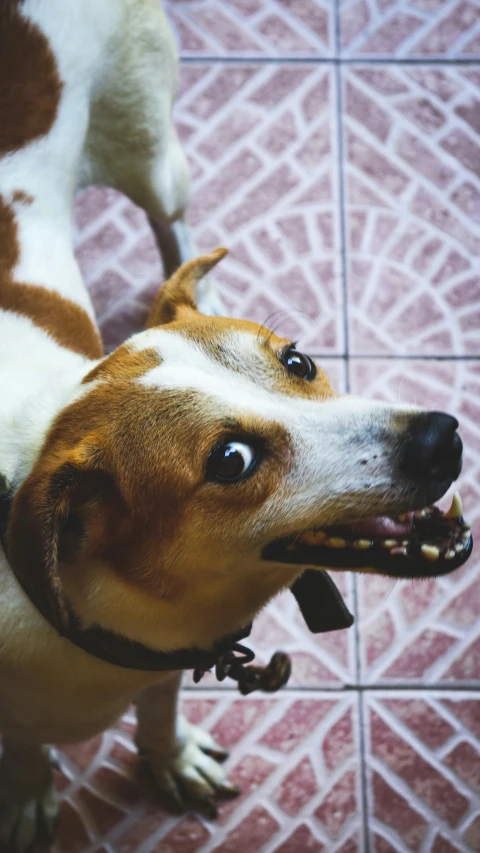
[(336, 150)]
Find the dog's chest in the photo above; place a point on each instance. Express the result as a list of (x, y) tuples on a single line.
[(50, 690)]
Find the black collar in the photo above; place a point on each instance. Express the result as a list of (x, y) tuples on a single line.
[(319, 600)]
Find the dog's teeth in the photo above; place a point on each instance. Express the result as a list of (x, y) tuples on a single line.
[(389, 543), (450, 554), (336, 542), (314, 537), (403, 516), (466, 525), (405, 543), (459, 548), (456, 509), (430, 552), (362, 544), (421, 513)]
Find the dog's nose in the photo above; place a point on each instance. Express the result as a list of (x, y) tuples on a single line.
[(433, 450)]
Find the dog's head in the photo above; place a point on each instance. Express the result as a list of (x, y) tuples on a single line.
[(205, 462)]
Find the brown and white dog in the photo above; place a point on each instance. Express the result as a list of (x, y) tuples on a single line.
[(160, 493)]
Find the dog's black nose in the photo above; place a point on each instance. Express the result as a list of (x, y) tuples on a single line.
[(433, 450)]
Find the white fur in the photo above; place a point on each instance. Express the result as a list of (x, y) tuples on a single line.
[(116, 60)]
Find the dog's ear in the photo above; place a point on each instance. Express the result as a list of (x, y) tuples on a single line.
[(178, 293), (57, 516)]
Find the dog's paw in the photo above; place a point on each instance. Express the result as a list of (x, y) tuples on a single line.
[(28, 809), (192, 775)]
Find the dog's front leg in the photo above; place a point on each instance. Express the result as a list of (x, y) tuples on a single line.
[(184, 759), (28, 805)]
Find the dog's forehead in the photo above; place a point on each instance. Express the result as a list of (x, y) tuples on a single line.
[(237, 365), (229, 349)]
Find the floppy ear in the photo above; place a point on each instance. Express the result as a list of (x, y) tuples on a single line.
[(178, 293), (49, 522)]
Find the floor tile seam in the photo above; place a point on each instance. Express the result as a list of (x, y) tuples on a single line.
[(363, 781), (362, 687), (340, 179), (208, 59), (355, 356)]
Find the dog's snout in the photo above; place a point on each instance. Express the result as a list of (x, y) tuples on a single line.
[(433, 449)]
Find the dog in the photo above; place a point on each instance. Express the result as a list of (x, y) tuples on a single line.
[(155, 499)]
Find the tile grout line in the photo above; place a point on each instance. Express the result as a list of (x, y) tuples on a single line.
[(341, 195), (325, 60), (392, 357), (375, 687), (363, 772)]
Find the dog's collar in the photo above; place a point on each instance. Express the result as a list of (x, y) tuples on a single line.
[(318, 598)]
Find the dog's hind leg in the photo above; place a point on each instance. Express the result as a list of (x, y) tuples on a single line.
[(132, 144), (183, 759), (28, 804)]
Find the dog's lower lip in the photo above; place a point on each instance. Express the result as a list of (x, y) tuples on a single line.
[(421, 543)]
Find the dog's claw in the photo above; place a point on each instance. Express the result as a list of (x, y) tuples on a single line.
[(22, 823), (28, 803), (192, 776)]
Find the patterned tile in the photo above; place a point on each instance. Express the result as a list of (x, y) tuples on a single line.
[(410, 28), (412, 140), (253, 27), (293, 756), (427, 631), (260, 140), (424, 781)]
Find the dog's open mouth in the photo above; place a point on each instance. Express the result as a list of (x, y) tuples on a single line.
[(418, 544)]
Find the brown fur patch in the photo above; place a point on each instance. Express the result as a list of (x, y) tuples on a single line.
[(30, 84), (124, 365), (64, 320), (21, 197)]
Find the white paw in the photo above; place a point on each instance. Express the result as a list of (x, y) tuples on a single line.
[(28, 811), (192, 773)]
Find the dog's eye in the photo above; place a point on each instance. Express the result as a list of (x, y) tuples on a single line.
[(299, 364), (231, 461)]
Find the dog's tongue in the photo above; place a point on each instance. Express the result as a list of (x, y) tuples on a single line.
[(380, 527)]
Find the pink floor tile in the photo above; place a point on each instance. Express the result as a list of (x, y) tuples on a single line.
[(253, 27), (426, 631), (423, 755), (293, 756), (260, 140), (412, 141), (410, 28)]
